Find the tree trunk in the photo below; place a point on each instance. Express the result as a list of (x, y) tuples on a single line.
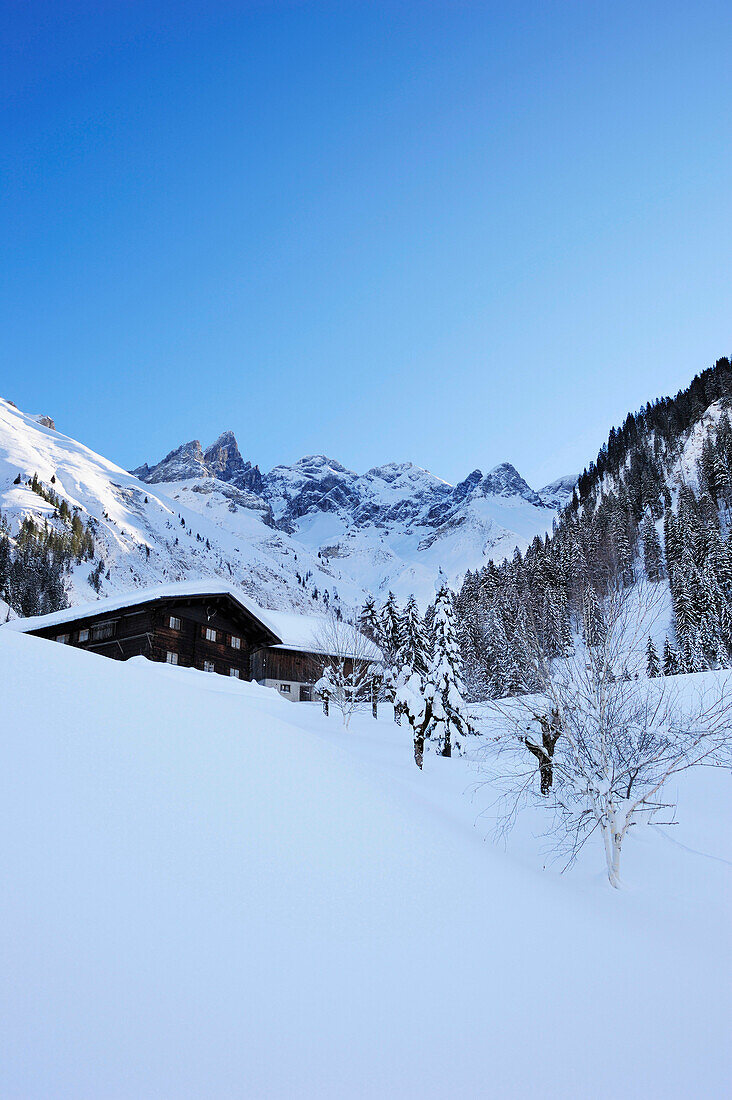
[(418, 749)]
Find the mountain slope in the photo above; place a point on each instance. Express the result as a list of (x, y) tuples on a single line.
[(212, 892), (309, 535), (652, 516), (390, 528), (143, 536)]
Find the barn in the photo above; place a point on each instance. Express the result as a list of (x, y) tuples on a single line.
[(207, 625)]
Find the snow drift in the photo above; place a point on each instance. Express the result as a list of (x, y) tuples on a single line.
[(210, 892)]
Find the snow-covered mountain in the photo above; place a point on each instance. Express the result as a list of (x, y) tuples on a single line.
[(301, 535), (390, 528), (143, 536)]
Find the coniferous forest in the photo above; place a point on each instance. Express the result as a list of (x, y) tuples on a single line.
[(35, 561), (638, 514), (634, 514)]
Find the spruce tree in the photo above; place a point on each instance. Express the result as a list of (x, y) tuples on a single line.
[(443, 687), (653, 669), (368, 620), (670, 659), (652, 553)]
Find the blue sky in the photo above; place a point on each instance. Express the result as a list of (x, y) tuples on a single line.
[(456, 233)]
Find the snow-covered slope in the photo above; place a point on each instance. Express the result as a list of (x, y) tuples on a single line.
[(211, 892), (303, 536), (390, 528), (144, 536)]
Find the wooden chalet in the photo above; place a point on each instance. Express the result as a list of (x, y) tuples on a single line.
[(204, 625), (295, 663)]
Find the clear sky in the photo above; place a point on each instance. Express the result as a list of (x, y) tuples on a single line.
[(456, 233)]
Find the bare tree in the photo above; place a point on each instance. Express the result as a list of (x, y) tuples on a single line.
[(348, 667), (608, 739)]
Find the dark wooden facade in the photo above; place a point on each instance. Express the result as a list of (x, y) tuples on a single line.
[(285, 664), (175, 629)]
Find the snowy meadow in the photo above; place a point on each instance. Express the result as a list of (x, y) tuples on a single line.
[(211, 891)]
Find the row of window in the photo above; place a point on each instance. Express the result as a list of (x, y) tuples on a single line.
[(208, 666), (97, 633), (209, 633)]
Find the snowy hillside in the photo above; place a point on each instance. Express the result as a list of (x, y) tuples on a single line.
[(390, 528), (304, 536), (142, 535), (209, 891)]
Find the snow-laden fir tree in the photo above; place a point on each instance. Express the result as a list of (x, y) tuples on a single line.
[(369, 622), (390, 641), (652, 553), (653, 669), (443, 691), (411, 657), (670, 659), (592, 618), (413, 648)]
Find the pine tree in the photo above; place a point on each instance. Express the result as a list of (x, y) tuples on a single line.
[(670, 659), (653, 669), (443, 687), (368, 620)]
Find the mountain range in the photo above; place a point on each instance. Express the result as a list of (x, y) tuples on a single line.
[(303, 535)]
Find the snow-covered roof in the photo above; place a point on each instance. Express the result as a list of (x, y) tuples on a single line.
[(309, 633), (146, 595), (301, 632)]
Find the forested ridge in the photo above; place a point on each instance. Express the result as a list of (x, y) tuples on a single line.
[(634, 514)]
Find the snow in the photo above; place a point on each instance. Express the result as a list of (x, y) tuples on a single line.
[(306, 632), (210, 892), (139, 531)]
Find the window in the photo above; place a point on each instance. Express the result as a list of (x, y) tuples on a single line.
[(174, 623), (102, 631), (84, 634), (210, 634), (234, 672), (63, 638), (171, 658), (285, 689), (235, 642), (208, 666)]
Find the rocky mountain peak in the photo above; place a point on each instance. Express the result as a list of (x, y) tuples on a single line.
[(504, 480), (223, 457)]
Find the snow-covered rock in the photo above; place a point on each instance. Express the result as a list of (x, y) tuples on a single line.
[(557, 494), (389, 528), (305, 535)]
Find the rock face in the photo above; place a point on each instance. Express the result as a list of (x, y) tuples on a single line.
[(390, 527), (222, 460), (558, 493)]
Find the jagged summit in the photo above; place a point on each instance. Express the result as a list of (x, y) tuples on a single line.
[(222, 461), (391, 526)]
